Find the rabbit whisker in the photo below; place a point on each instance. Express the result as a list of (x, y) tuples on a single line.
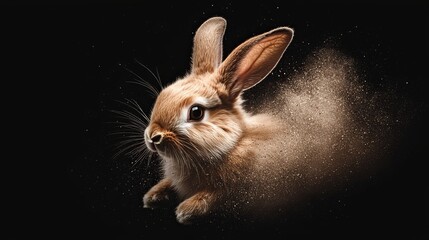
[(130, 132), (140, 81), (157, 77)]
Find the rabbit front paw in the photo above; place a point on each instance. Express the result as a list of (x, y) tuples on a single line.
[(195, 207), (159, 195)]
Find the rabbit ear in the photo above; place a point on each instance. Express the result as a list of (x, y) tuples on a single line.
[(253, 60), (207, 50)]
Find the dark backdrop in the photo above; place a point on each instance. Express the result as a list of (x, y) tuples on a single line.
[(67, 66)]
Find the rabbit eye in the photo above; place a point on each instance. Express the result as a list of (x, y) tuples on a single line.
[(196, 113)]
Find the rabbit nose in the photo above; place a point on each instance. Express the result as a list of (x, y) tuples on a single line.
[(157, 138)]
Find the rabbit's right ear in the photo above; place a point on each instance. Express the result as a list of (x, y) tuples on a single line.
[(207, 50)]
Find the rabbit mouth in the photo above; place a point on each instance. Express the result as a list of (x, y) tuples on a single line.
[(151, 146), (160, 148), (156, 148)]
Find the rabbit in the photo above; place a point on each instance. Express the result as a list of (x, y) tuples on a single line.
[(218, 157), (199, 128)]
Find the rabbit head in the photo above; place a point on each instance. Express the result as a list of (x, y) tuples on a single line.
[(197, 120)]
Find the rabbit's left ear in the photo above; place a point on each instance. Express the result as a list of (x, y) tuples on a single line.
[(253, 60), (207, 50)]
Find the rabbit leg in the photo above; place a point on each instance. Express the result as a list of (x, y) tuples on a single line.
[(198, 205), (160, 194)]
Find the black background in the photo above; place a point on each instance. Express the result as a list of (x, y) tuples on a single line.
[(66, 65)]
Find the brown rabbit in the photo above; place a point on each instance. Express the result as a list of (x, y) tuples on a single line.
[(216, 156)]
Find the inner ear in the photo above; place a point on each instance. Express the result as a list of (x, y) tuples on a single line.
[(254, 59)]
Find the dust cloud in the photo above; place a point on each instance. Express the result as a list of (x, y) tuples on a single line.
[(334, 130)]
